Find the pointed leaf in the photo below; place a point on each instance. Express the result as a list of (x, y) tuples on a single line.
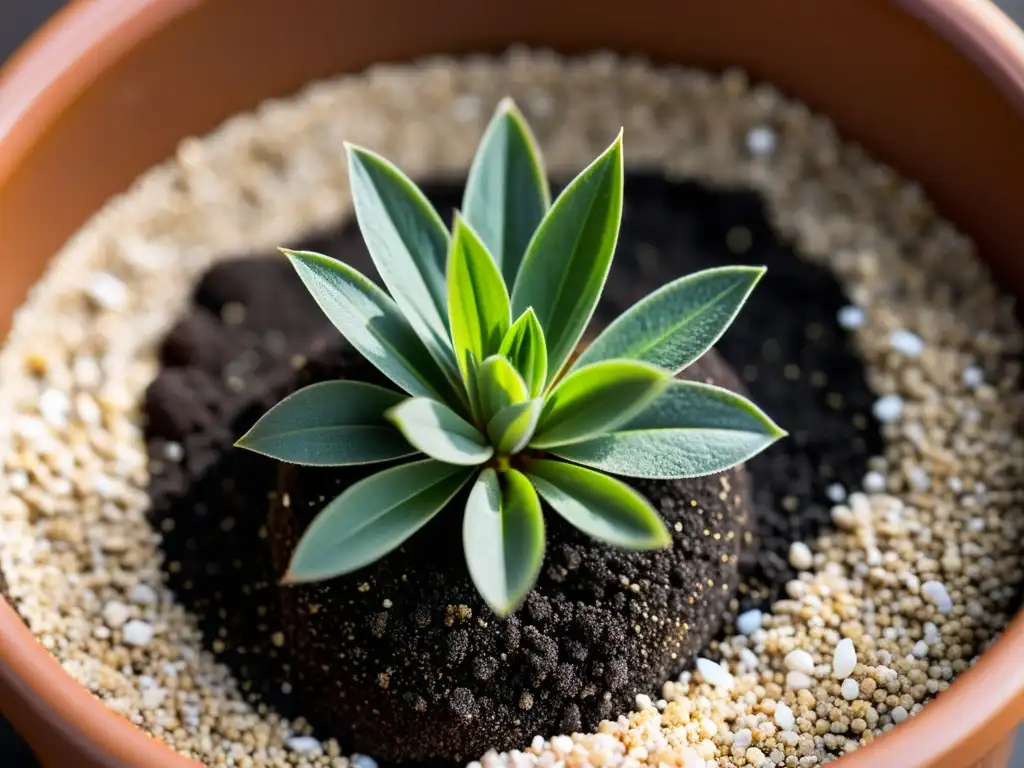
[(503, 536), (525, 348), (679, 322), (372, 323), (512, 427), (600, 506), (332, 423), (373, 517), (407, 241), (596, 399), (499, 386), (507, 192), (478, 308), (439, 432), (690, 430), (567, 262)]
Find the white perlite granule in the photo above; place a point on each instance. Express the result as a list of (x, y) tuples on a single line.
[(73, 526)]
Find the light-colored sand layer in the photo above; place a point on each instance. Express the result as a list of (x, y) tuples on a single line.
[(919, 576)]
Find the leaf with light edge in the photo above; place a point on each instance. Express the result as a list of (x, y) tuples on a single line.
[(408, 243), (600, 506), (567, 262), (507, 191), (512, 427), (330, 424), (503, 537), (372, 323), (373, 517), (499, 385), (595, 399), (478, 308), (691, 430), (439, 432), (525, 348), (679, 322)]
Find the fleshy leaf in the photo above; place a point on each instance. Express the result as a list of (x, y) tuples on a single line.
[(478, 308), (512, 427), (503, 536), (567, 262), (690, 430), (439, 432), (373, 517), (600, 506), (507, 191), (330, 424), (679, 322), (596, 399), (408, 243), (525, 348), (498, 386), (372, 323)]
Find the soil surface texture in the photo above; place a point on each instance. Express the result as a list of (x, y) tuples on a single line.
[(236, 352)]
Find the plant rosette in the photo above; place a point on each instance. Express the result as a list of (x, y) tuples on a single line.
[(480, 332)]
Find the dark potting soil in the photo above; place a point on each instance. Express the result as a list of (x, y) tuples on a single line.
[(406, 645), (234, 353)]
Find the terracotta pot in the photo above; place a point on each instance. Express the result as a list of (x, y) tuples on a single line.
[(935, 87)]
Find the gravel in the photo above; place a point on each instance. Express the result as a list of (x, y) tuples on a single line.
[(906, 562)]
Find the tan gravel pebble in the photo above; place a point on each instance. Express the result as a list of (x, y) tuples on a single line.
[(929, 550)]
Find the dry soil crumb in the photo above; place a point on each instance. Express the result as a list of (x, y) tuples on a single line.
[(921, 574)]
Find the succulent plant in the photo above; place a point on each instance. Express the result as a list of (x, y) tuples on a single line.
[(481, 332)]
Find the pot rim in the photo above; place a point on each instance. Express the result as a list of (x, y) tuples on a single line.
[(88, 36)]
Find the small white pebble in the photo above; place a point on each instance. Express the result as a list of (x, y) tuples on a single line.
[(18, 481), (107, 291), (836, 493), (761, 140), (691, 758), (935, 593), (143, 594), (874, 482), (749, 622), (755, 757), (137, 633), (973, 376), (974, 525), (174, 452), (800, 556), (844, 659), (850, 689), (799, 660), (303, 744), (749, 658), (850, 317), (153, 698), (363, 761), (899, 714), (784, 717), (643, 701), (562, 744), (798, 681), (906, 343), (888, 408), (53, 406), (920, 649), (742, 738), (715, 674), (115, 614)]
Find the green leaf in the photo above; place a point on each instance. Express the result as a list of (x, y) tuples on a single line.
[(503, 537), (506, 192), (372, 323), (407, 241), (478, 308), (690, 430), (679, 322), (600, 506), (512, 427), (525, 348), (597, 398), (330, 424), (498, 386), (567, 262), (373, 517), (439, 432)]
